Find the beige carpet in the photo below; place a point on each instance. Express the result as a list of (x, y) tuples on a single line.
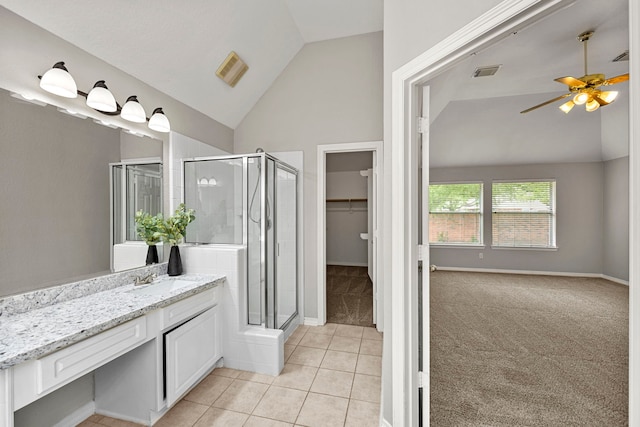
[(515, 350), (349, 296)]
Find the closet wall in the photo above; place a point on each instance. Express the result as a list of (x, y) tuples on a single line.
[(346, 218)]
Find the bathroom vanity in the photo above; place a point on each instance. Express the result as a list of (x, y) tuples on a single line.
[(147, 345)]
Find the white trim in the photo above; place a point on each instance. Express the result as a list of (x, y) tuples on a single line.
[(615, 279), (454, 246), (384, 423), (78, 416), (347, 264), (122, 417), (634, 215), (323, 150), (533, 273), (497, 23), (6, 397), (311, 321)]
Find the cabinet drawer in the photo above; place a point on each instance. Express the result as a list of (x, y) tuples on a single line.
[(182, 310), (39, 377), (89, 354)]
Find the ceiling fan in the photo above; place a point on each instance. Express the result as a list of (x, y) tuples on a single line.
[(586, 89)]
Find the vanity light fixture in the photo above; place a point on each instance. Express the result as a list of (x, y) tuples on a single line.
[(207, 182), (58, 81), (101, 99), (133, 111), (159, 121)]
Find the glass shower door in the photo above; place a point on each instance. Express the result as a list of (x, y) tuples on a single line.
[(285, 245)]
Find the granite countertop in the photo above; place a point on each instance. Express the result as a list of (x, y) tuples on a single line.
[(38, 332)]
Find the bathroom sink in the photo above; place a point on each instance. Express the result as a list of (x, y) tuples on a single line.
[(162, 286)]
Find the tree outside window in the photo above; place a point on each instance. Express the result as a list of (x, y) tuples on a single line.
[(455, 214)]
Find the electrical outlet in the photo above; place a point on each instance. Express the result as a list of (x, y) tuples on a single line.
[(481, 255)]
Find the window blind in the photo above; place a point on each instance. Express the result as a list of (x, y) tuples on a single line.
[(455, 214), (523, 214)]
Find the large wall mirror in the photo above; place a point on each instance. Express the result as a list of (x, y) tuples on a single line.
[(55, 196)]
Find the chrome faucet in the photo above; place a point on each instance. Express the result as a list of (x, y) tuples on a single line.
[(143, 280)]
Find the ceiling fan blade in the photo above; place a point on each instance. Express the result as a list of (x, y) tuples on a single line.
[(601, 101), (546, 103), (571, 81), (617, 79)]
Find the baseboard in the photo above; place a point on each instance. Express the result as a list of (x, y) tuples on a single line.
[(311, 321), (615, 279), (129, 419), (78, 416), (533, 273), (348, 264)]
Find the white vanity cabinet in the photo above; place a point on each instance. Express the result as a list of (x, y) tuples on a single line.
[(191, 349), (142, 384)]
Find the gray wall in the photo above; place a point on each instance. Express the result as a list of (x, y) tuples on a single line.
[(615, 242), (136, 147), (27, 51), (54, 407), (346, 221), (411, 27), (579, 219), (331, 92), (54, 215)]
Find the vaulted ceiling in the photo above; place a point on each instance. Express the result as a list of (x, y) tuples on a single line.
[(477, 121), (176, 47)]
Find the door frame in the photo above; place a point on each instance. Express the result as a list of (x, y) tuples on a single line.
[(323, 150), (497, 23)]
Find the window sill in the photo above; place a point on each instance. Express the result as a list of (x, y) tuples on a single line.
[(524, 248), (454, 246)]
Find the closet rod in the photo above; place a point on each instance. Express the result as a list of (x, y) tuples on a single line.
[(346, 200)]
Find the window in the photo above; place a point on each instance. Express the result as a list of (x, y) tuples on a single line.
[(455, 214), (524, 214)]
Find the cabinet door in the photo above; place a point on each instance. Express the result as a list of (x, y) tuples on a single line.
[(190, 351)]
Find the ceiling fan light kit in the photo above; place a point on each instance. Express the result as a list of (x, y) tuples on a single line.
[(58, 81), (586, 89)]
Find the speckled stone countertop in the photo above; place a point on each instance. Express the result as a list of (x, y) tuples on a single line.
[(40, 331)]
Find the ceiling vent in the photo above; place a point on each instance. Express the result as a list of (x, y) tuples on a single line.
[(232, 69), (486, 71), (624, 56)]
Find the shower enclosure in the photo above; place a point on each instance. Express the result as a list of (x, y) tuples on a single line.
[(250, 200)]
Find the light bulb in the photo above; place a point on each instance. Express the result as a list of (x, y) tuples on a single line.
[(581, 98), (101, 99), (592, 105), (567, 106), (609, 96), (159, 121), (59, 82), (133, 111)]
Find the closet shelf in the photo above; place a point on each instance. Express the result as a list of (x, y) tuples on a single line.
[(346, 200)]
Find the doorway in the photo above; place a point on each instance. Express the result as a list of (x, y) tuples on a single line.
[(348, 217), (406, 82), (349, 238)]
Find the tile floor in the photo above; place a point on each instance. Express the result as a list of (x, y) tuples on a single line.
[(331, 378)]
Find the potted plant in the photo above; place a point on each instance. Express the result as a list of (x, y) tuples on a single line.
[(148, 228), (172, 230)]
